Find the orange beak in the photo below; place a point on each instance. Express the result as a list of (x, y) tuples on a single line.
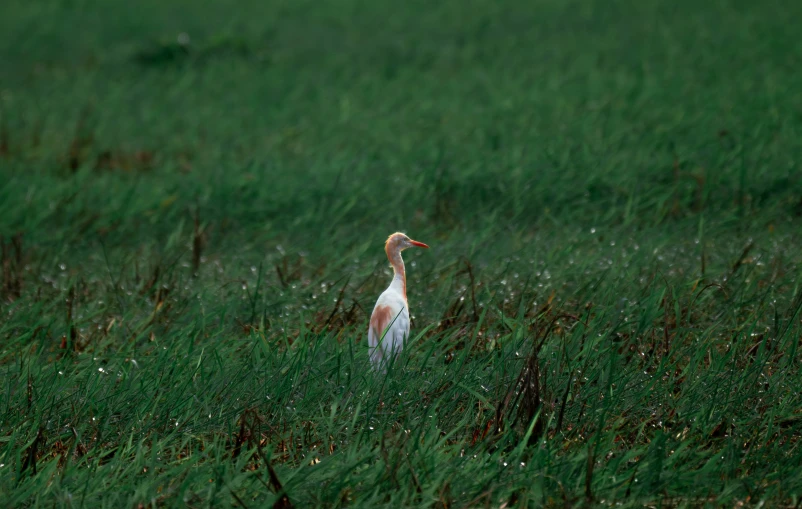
[(418, 244)]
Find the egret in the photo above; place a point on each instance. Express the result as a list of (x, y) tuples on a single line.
[(389, 323)]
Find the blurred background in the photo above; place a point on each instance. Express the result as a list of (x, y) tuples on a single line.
[(330, 115)]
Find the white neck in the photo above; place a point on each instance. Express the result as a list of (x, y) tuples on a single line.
[(399, 282)]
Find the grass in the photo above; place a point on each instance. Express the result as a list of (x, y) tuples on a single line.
[(193, 203)]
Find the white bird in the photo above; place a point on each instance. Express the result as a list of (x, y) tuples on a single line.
[(389, 323)]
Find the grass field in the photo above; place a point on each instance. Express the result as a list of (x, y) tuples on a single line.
[(193, 204)]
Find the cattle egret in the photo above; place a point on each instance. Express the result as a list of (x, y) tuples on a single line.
[(389, 323)]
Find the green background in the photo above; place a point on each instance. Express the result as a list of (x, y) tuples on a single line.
[(193, 202)]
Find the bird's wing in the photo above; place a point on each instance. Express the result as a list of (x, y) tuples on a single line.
[(388, 326), (397, 333), (374, 335)]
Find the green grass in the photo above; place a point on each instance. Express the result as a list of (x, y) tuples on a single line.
[(610, 313)]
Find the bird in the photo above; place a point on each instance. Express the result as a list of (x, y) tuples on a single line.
[(389, 322)]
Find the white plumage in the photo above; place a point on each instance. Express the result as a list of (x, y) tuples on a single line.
[(389, 322)]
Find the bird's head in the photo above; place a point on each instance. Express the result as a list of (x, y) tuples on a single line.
[(397, 242)]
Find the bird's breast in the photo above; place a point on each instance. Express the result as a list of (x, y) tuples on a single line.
[(394, 300)]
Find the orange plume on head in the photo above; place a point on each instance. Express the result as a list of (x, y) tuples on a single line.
[(394, 236), (391, 246)]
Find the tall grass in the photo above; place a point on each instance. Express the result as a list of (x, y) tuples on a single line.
[(193, 204)]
